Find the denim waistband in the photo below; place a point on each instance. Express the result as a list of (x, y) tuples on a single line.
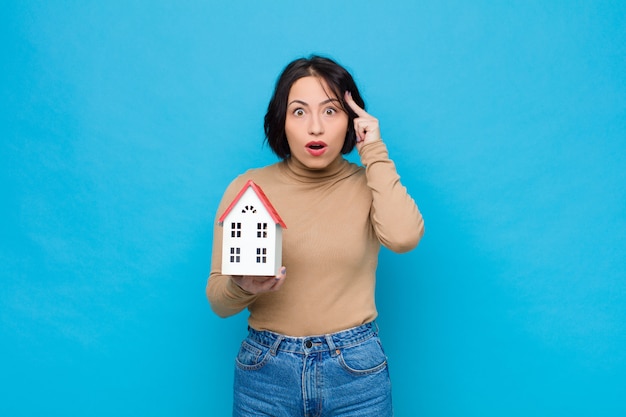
[(319, 343)]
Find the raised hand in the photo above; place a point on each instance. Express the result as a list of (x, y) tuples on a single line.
[(258, 285), (365, 125)]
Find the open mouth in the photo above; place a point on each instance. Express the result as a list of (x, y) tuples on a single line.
[(316, 145), (316, 148)]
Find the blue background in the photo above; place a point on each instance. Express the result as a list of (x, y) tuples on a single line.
[(122, 122)]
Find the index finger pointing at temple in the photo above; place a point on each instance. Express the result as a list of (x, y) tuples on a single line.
[(355, 107)]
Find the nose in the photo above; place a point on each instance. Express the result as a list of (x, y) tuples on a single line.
[(316, 126)]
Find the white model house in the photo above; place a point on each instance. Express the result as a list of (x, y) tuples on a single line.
[(252, 235)]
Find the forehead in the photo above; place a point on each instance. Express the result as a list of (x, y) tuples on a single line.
[(311, 88)]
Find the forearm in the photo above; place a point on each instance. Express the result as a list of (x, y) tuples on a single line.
[(225, 297), (395, 216)]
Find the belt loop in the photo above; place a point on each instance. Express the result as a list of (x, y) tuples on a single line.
[(276, 344), (375, 327), (331, 345)]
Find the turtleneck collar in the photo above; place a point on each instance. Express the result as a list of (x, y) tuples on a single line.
[(339, 168)]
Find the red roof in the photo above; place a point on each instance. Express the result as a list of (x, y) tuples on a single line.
[(266, 202)]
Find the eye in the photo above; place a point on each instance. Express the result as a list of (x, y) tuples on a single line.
[(329, 111), (299, 112)]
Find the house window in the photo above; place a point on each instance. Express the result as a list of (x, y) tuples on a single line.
[(235, 255), (247, 209), (261, 230), (261, 255), (235, 230)]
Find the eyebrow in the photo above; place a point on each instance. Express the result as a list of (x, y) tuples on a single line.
[(304, 103)]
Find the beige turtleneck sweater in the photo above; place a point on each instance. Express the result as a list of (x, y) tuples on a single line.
[(336, 220)]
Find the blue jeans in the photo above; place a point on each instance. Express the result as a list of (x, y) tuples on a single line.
[(339, 374)]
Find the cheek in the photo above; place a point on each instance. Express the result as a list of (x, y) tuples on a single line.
[(291, 132), (293, 124), (342, 129)]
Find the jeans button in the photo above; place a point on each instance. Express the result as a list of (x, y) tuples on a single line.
[(308, 344)]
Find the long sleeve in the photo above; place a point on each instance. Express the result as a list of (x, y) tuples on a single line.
[(225, 297), (395, 217)]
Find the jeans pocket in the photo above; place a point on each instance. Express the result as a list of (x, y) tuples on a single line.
[(365, 358), (251, 356)]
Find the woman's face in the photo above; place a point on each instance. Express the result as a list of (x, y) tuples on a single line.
[(315, 124)]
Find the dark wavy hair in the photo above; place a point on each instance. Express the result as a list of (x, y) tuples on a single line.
[(339, 81)]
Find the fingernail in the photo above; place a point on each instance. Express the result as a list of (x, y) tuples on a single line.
[(283, 270)]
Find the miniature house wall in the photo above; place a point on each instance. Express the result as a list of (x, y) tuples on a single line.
[(252, 234)]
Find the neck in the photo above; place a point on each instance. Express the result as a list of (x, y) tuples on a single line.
[(303, 173)]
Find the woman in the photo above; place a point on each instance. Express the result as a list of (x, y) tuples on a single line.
[(312, 347)]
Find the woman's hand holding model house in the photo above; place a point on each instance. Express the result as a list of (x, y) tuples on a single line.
[(258, 285)]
